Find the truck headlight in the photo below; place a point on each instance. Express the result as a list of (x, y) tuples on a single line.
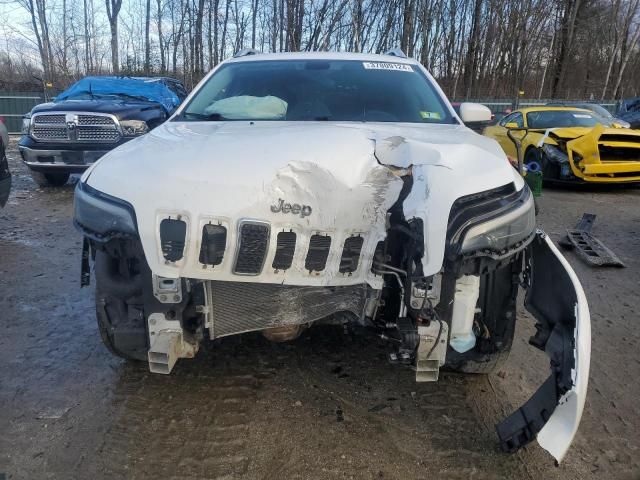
[(134, 128), (26, 123), (99, 215), (494, 220)]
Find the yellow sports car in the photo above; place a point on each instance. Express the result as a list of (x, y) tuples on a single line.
[(571, 144)]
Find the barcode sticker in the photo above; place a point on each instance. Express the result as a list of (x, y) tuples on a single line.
[(399, 67)]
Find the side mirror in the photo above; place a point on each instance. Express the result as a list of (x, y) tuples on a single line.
[(474, 112), (511, 125)]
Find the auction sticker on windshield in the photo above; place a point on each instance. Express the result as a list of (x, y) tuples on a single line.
[(387, 66)]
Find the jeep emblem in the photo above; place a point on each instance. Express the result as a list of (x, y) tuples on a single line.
[(295, 208)]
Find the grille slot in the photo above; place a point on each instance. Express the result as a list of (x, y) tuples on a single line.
[(54, 133), (351, 254), (252, 250), (318, 253), (285, 248), (51, 119), (172, 238), (97, 133), (94, 120), (214, 241)]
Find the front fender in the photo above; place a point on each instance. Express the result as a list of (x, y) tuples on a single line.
[(557, 301)]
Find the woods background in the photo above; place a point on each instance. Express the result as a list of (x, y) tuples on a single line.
[(477, 48)]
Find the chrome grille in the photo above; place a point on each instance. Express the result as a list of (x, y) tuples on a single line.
[(75, 127), (51, 119), (59, 133), (94, 133), (94, 120)]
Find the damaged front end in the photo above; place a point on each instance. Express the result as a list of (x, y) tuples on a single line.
[(603, 155), (415, 242)]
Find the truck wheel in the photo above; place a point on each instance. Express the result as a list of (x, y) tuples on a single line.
[(50, 179), (121, 320)]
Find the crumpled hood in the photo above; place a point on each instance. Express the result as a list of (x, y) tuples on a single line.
[(575, 132), (236, 170)]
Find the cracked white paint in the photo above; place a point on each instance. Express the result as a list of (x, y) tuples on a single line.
[(346, 172)]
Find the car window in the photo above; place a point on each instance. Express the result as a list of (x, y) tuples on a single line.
[(562, 118), (515, 117), (307, 90)]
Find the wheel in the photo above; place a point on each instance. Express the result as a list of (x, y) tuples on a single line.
[(50, 179), (121, 319)]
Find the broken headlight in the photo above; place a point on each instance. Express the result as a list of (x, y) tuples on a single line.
[(495, 220), (100, 215), (134, 128), (503, 231)]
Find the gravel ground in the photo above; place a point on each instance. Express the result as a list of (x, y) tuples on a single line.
[(325, 406)]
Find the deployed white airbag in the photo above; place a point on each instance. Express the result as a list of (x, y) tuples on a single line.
[(247, 107)]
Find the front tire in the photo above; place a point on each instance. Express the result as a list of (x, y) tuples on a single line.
[(50, 179)]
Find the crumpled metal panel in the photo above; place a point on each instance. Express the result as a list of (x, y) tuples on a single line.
[(244, 307)]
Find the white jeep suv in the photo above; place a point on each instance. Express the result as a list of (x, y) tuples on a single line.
[(292, 189)]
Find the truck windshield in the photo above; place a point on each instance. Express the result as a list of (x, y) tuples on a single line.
[(318, 90)]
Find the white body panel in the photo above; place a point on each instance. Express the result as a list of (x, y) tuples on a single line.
[(200, 171), (557, 434)]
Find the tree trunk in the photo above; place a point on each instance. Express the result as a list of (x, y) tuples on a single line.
[(147, 42)]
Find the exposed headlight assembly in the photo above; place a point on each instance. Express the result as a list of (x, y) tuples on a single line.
[(495, 221), (101, 216), (133, 128)]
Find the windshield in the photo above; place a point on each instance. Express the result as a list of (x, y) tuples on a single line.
[(562, 118), (320, 90)]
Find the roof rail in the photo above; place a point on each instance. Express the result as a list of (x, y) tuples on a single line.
[(396, 52), (246, 51)]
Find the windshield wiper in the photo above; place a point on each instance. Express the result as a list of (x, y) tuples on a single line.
[(207, 117)]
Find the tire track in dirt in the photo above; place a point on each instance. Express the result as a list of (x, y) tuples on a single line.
[(191, 425)]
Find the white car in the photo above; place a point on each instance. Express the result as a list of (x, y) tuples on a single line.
[(292, 189)]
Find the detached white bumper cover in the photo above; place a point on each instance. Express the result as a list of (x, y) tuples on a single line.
[(557, 301)]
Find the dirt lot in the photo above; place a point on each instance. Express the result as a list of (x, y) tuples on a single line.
[(326, 406)]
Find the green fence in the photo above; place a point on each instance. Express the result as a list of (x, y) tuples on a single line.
[(14, 105)]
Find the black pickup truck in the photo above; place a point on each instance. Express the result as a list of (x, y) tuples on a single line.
[(93, 116)]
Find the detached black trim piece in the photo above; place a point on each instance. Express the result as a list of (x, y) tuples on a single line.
[(551, 299), (318, 253), (522, 426), (173, 234)]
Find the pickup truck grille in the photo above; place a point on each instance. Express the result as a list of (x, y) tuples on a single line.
[(75, 127)]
